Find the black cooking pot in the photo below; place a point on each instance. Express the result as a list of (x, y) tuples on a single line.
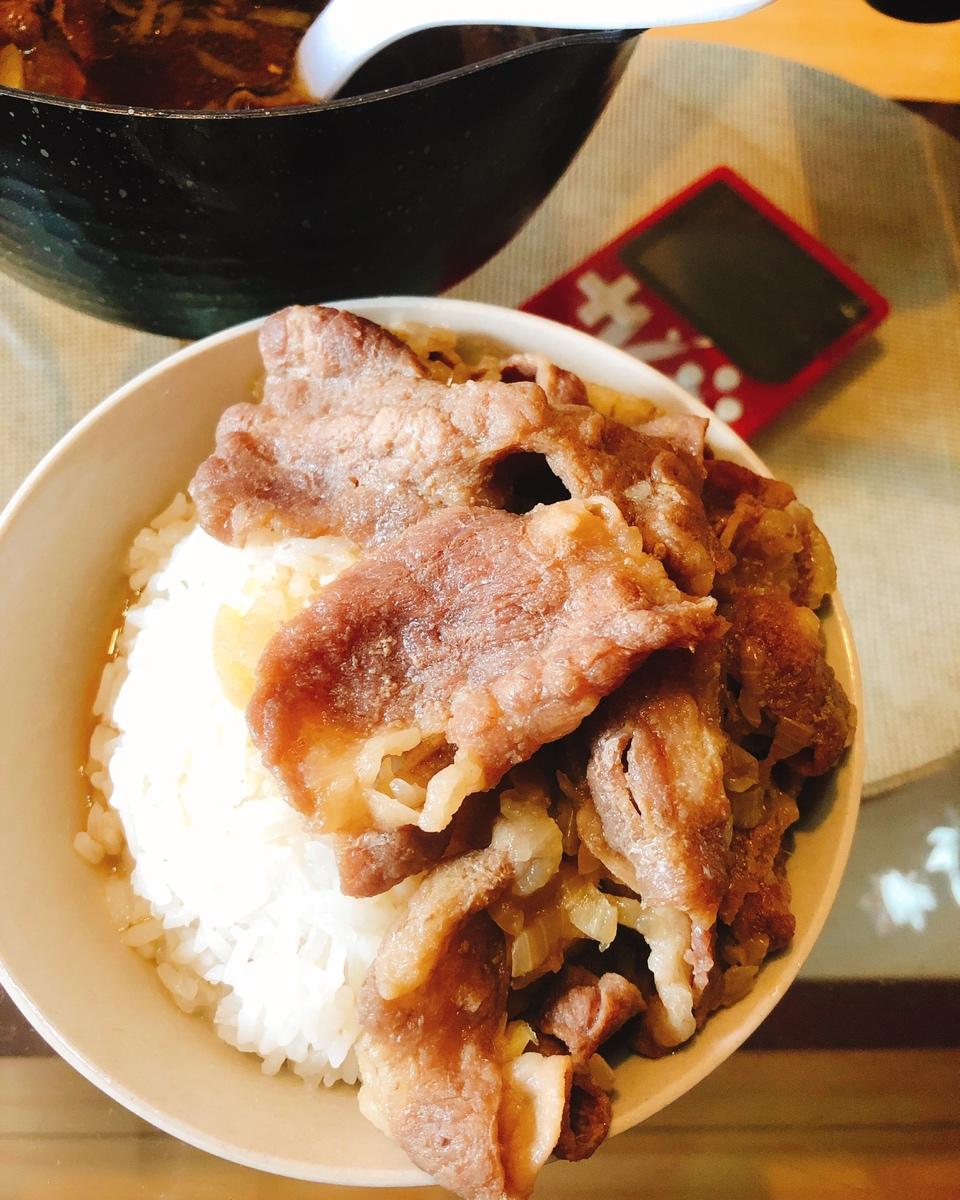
[(183, 223)]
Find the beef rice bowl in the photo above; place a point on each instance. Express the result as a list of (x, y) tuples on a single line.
[(452, 735)]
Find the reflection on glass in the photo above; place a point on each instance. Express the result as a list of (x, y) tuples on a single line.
[(902, 899)]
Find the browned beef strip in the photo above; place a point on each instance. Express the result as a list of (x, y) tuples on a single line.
[(766, 912), (774, 651), (430, 1063), (83, 26), (584, 1010), (499, 632), (375, 860), (371, 862), (655, 781), (758, 898), (773, 541), (352, 438), (451, 892), (586, 1120), (432, 1055), (323, 359), (559, 386), (726, 482)]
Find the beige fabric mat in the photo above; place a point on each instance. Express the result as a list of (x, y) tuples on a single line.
[(874, 449)]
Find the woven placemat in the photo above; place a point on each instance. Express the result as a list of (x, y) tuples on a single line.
[(874, 448)]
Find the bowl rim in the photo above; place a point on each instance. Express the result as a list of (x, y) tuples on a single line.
[(467, 316), (563, 39)]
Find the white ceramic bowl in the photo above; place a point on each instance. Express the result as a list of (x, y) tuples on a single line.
[(62, 544)]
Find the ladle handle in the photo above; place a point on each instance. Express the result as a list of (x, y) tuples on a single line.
[(348, 33)]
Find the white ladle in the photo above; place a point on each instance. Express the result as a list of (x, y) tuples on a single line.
[(349, 32)]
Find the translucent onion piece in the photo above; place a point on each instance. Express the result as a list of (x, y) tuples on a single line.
[(630, 410), (532, 838), (737, 983), (143, 25), (217, 67), (508, 915), (239, 640), (741, 769), (516, 1038), (748, 807), (11, 67), (537, 943), (283, 18), (789, 738), (591, 912), (749, 705)]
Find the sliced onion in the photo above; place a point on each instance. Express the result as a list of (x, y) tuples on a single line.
[(789, 738), (542, 938), (516, 1038), (630, 912), (143, 25), (508, 916), (749, 705), (216, 66), (591, 912), (741, 769), (566, 818), (747, 807), (283, 18), (11, 67)]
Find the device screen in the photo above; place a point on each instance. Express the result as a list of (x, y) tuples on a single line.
[(759, 296)]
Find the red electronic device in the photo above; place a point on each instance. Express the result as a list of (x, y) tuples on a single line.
[(726, 294)]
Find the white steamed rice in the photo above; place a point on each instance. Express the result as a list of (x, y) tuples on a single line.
[(232, 896)]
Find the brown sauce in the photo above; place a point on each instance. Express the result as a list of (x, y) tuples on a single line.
[(194, 54), (188, 54)]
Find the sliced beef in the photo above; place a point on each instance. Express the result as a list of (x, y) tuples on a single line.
[(655, 782), (351, 437), (775, 654), (559, 386), (757, 902), (430, 1063), (452, 891), (534, 1115), (583, 1010), (322, 360), (373, 861), (772, 539), (432, 1052), (586, 1120), (727, 482), (497, 633)]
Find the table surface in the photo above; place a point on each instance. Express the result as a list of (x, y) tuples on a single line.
[(850, 1088), (847, 37)]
